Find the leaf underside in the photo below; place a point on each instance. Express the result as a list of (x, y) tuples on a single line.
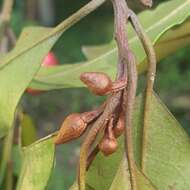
[(37, 164), (167, 157), (104, 58)]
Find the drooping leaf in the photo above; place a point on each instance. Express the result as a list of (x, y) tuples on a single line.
[(166, 158), (19, 66), (156, 23), (37, 164), (173, 39), (17, 69)]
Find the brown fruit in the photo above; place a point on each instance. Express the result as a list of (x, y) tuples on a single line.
[(108, 146), (99, 83), (73, 127), (120, 125)]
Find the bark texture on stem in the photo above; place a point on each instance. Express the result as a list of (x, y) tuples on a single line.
[(112, 104), (121, 13)]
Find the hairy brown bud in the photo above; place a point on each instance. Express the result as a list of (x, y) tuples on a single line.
[(99, 83), (73, 127)]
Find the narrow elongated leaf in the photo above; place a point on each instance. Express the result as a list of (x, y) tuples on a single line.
[(38, 161), (19, 66), (156, 23), (17, 70), (173, 40)]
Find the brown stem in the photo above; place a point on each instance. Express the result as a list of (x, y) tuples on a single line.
[(92, 155), (6, 10), (151, 72), (90, 116), (121, 15), (11, 36), (9, 175), (128, 107), (120, 74), (111, 106), (5, 15)]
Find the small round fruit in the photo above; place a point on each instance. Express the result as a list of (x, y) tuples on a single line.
[(50, 60), (108, 146)]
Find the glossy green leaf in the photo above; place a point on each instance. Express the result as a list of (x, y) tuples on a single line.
[(37, 164), (156, 23)]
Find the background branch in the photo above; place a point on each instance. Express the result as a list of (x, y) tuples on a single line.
[(5, 16)]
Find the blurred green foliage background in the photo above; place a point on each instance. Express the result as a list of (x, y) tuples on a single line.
[(49, 109)]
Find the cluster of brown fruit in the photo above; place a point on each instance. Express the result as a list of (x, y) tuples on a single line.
[(76, 124)]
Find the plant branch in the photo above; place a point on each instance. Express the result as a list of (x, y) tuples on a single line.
[(151, 72), (128, 108), (5, 16), (81, 13), (121, 12), (110, 107)]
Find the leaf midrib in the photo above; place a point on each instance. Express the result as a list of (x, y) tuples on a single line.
[(164, 19)]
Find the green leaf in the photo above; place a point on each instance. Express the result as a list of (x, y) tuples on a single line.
[(28, 130), (103, 169), (38, 161), (6, 154), (19, 66), (17, 69), (16, 159), (156, 23), (167, 158), (122, 179), (172, 40)]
